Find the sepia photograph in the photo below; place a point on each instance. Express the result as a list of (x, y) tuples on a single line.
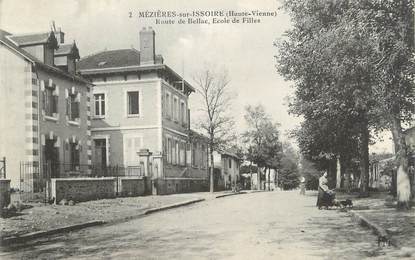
[(207, 129)]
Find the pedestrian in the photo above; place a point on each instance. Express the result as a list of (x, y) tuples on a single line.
[(322, 189), (302, 185)]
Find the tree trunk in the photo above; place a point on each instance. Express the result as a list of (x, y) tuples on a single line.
[(212, 168), (258, 178), (250, 180), (338, 173), (269, 179), (403, 187), (364, 159)]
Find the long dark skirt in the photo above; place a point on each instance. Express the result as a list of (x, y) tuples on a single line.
[(324, 199), (320, 197)]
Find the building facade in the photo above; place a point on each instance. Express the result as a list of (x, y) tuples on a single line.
[(141, 103), (227, 164), (44, 113)]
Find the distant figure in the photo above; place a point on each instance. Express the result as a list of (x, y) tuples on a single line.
[(322, 188), (302, 185)]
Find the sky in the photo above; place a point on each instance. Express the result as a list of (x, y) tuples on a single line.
[(246, 51)]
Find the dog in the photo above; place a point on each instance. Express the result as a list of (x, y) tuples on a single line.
[(346, 203), (337, 204), (383, 241)]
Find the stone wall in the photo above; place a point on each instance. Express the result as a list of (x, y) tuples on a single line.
[(131, 186), (83, 189), (4, 193), (179, 185)]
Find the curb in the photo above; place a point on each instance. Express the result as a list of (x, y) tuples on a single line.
[(230, 194), (379, 231), (38, 234), (172, 206)]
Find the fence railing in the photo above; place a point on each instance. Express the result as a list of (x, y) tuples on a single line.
[(67, 170), (35, 177)]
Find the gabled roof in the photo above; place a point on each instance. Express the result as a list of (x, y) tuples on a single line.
[(229, 152), (110, 59), (5, 39), (34, 39), (195, 135), (68, 49)]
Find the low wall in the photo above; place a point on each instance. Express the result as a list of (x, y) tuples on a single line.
[(179, 185), (83, 189), (4, 193), (131, 186)]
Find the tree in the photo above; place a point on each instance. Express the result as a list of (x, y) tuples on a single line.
[(262, 139), (310, 173), (355, 57), (213, 88), (289, 174)]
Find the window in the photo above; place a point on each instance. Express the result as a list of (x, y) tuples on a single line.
[(194, 149), (168, 107), (173, 152), (72, 107), (132, 145), (175, 104), (177, 152), (74, 156), (183, 113), (230, 163), (169, 160), (204, 159), (182, 153), (99, 105), (50, 101), (133, 103)]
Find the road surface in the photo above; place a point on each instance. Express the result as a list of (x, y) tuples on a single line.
[(266, 225)]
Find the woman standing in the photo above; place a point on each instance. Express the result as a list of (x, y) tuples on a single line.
[(322, 188)]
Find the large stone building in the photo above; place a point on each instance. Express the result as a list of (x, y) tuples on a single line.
[(141, 103), (44, 107)]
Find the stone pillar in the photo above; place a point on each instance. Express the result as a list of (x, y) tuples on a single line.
[(157, 166), (144, 155)]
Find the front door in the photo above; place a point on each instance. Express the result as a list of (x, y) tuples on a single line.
[(100, 150), (51, 159)]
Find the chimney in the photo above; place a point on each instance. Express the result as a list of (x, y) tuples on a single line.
[(60, 36), (147, 46)]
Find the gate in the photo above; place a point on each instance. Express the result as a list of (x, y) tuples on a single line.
[(3, 168), (34, 181)]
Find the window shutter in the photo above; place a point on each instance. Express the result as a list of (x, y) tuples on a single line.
[(55, 104), (44, 100), (68, 106), (75, 110)]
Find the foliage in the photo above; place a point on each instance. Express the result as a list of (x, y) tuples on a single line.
[(263, 146), (352, 65), (289, 176), (310, 173)]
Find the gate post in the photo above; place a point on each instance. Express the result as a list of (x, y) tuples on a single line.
[(144, 155)]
